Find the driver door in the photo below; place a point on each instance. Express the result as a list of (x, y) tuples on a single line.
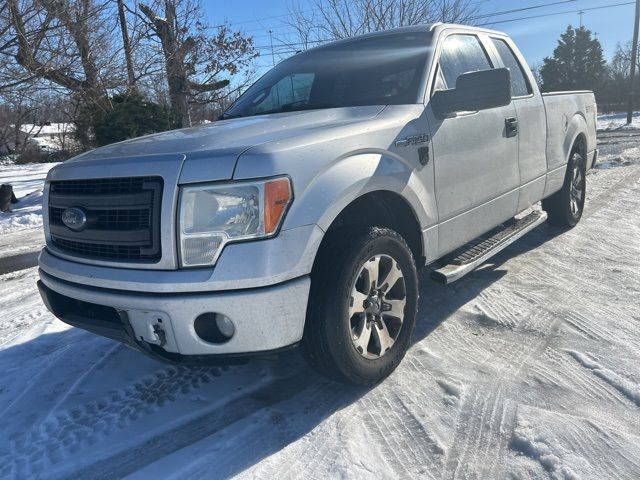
[(475, 157)]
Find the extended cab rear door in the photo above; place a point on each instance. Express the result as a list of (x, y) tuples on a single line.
[(475, 158), (532, 123)]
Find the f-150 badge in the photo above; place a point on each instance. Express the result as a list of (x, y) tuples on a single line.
[(413, 140)]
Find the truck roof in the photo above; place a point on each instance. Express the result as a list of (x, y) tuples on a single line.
[(423, 28)]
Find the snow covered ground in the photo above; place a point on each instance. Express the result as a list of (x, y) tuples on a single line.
[(21, 229), (526, 368), (618, 121)]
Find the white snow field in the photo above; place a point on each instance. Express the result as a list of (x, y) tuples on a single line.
[(617, 121), (526, 368), (21, 229)]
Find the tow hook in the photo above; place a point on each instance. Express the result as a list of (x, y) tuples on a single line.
[(162, 336)]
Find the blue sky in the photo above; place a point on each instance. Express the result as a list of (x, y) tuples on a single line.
[(536, 37)]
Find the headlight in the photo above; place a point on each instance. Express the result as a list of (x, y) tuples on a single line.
[(216, 214)]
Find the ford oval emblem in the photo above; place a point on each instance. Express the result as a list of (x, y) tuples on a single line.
[(74, 218)]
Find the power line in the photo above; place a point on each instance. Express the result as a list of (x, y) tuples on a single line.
[(289, 48), (312, 10), (516, 10), (602, 7), (243, 22), (477, 17)]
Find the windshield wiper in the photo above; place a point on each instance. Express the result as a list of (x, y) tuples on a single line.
[(299, 106), (227, 116)]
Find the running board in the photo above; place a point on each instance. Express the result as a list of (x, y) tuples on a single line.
[(478, 253)]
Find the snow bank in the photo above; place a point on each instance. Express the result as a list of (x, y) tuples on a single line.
[(627, 157), (617, 121), (27, 182)]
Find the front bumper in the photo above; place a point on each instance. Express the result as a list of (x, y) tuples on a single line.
[(265, 319), (244, 265)]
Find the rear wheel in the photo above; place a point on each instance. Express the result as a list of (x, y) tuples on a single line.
[(362, 306), (565, 206)]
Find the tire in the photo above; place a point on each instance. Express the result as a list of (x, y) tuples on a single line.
[(566, 205), (341, 317)]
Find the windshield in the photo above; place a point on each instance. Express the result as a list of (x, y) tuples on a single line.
[(377, 70)]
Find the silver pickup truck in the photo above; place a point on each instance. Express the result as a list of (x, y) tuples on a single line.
[(302, 216)]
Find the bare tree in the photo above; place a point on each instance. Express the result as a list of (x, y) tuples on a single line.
[(15, 111), (66, 44), (24, 112), (329, 20), (88, 52), (126, 45), (194, 59)]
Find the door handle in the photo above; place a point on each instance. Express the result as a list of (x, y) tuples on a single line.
[(511, 124)]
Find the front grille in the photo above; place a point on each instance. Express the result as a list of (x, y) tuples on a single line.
[(101, 185), (99, 251), (113, 219), (122, 218)]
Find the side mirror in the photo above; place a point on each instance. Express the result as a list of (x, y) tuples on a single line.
[(474, 91)]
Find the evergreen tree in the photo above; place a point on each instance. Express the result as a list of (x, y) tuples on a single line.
[(577, 63), (131, 116)]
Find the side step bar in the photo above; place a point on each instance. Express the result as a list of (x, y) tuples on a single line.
[(478, 253)]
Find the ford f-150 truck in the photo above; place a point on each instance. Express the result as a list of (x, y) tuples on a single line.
[(303, 214)]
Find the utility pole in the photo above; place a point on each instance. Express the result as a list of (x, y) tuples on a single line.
[(634, 61), (581, 13)]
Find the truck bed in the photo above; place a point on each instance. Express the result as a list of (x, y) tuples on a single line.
[(565, 112)]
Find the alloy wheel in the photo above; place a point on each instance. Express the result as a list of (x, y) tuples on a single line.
[(376, 311), (576, 193)]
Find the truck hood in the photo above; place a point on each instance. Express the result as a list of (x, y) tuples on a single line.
[(215, 147)]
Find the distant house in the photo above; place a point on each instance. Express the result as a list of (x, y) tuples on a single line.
[(49, 137)]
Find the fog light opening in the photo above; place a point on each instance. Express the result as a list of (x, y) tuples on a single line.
[(214, 327)]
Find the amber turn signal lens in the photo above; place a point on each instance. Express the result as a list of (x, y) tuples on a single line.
[(277, 195)]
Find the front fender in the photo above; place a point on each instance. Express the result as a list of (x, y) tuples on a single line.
[(346, 179)]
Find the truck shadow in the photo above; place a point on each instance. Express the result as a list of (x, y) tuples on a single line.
[(234, 417)]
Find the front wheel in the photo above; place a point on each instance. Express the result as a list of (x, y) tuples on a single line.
[(566, 205), (362, 306)]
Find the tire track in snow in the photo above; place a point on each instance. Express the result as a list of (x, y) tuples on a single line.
[(79, 380), (156, 446), (591, 446), (565, 375), (396, 428), (627, 388), (65, 433), (488, 413), (22, 307)]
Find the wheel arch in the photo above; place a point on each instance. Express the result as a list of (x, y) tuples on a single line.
[(579, 145), (576, 137), (378, 208)]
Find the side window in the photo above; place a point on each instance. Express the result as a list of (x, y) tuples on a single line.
[(519, 85), (439, 83), (461, 54), (294, 88)]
